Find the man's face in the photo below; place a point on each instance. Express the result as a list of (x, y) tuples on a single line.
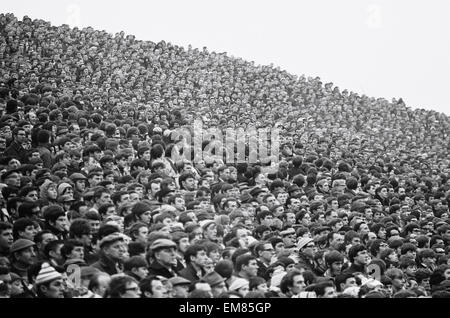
[(55, 289), (295, 204), (271, 201), (95, 180), (104, 198), (124, 198), (200, 259), (26, 256), (231, 206), (330, 292), (166, 256), (47, 238), (6, 238), (282, 197), (252, 268), (77, 253), (80, 185), (362, 258), (62, 223), (267, 221), (13, 180), (132, 291), (142, 234), (183, 244), (180, 204), (140, 192), (29, 233), (155, 187), (350, 282), (21, 136), (298, 284), (158, 289), (117, 251), (31, 196), (289, 240), (95, 225), (211, 232), (2, 143), (189, 184), (290, 217), (337, 240)]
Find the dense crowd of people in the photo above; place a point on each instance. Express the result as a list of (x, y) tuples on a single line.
[(94, 205)]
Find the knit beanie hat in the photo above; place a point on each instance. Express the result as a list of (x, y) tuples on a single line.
[(47, 274)]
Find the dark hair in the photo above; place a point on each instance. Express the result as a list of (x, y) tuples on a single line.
[(68, 246), (118, 285), (243, 260), (79, 227), (146, 284), (341, 279), (254, 282), (319, 288), (53, 212), (51, 246), (192, 251), (288, 280), (333, 256), (20, 225), (354, 250)]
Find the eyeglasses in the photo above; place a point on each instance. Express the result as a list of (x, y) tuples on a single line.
[(133, 289)]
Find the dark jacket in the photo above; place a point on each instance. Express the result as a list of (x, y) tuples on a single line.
[(20, 270), (4, 251), (262, 270), (305, 262), (190, 273), (59, 234), (16, 150), (157, 269), (90, 256), (355, 269), (108, 265), (46, 156)]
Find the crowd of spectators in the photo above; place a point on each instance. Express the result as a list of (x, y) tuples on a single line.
[(93, 204)]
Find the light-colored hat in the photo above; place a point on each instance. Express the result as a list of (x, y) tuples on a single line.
[(238, 283), (47, 274), (303, 241)]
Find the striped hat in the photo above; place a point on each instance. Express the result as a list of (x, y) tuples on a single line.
[(47, 274)]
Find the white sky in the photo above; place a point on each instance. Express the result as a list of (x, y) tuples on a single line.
[(381, 48)]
